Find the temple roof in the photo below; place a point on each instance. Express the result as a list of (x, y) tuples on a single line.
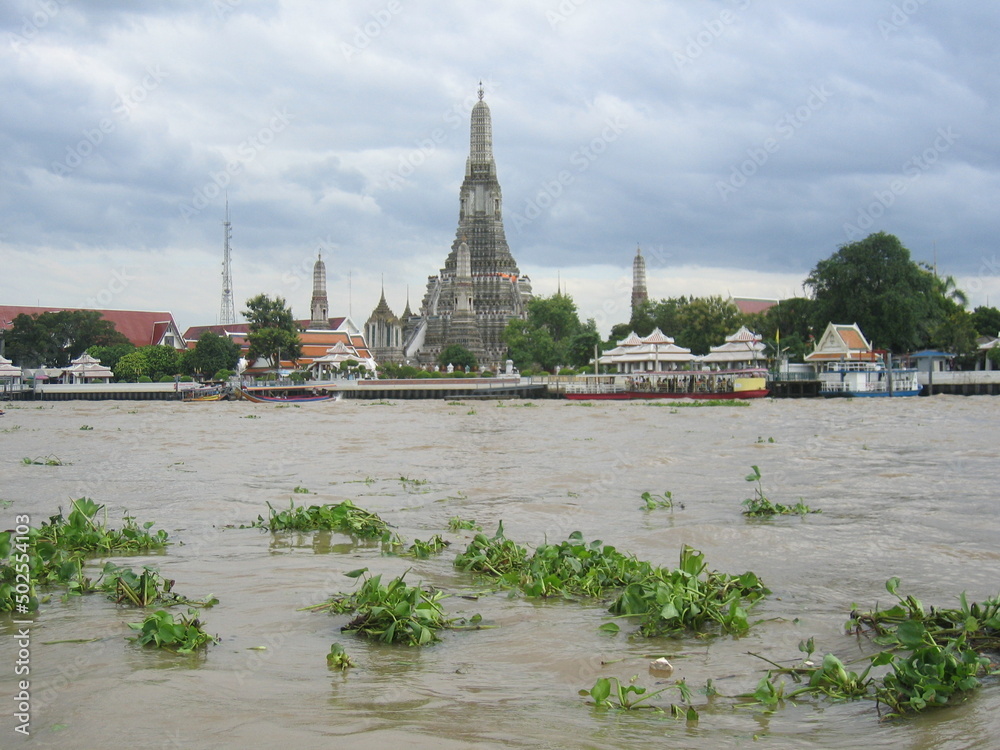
[(382, 311), (842, 342), (140, 327), (657, 337)]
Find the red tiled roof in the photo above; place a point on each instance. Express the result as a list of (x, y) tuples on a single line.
[(141, 327), (851, 338), (194, 332), (753, 305)]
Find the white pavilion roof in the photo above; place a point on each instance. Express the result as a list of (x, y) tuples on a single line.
[(742, 346), (87, 366), (7, 369), (631, 340), (657, 337)]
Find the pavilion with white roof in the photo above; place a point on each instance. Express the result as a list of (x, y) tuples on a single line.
[(743, 349), (86, 369), (653, 353)]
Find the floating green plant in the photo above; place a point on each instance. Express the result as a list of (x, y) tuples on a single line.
[(611, 692), (301, 490), (760, 505), (81, 531), (44, 461), (655, 502), (184, 635), (496, 555), (689, 598), (934, 657), (125, 586), (455, 523), (338, 658), (344, 517), (423, 550), (395, 612)]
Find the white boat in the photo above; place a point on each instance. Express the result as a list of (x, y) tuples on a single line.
[(866, 379)]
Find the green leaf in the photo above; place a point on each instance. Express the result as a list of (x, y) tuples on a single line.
[(356, 573), (911, 633), (610, 627), (601, 690)]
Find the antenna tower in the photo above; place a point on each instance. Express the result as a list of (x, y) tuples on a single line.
[(227, 313)]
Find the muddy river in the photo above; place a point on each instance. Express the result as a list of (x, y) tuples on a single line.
[(907, 488)]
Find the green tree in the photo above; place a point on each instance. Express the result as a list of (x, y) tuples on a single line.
[(986, 321), (581, 344), (459, 356), (705, 322), (273, 335), (160, 361), (551, 335), (55, 338), (211, 354), (787, 326), (875, 284), (131, 367), (557, 314), (109, 355)]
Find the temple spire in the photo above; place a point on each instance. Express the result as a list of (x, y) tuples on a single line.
[(320, 308), (481, 143), (639, 294)]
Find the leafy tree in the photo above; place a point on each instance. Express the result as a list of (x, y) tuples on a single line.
[(459, 356), (211, 354), (994, 355), (272, 330), (786, 326), (557, 314), (874, 283), (581, 344), (986, 321), (131, 367), (109, 355), (160, 361), (55, 338), (954, 332), (664, 314), (552, 335), (705, 322)]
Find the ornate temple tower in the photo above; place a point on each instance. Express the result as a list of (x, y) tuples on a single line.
[(384, 334), (498, 290), (320, 307), (639, 294)]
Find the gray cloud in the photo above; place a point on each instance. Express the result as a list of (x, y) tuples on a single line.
[(730, 134)]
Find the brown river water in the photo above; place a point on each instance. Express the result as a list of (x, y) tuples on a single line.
[(907, 487)]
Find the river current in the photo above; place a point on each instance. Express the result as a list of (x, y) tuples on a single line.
[(907, 488)]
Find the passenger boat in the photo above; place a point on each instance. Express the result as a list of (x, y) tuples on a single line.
[(206, 394), (694, 384), (288, 396), (866, 379)]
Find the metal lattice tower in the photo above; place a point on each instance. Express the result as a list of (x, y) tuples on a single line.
[(227, 313)]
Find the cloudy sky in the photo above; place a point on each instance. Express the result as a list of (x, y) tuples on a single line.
[(737, 142)]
